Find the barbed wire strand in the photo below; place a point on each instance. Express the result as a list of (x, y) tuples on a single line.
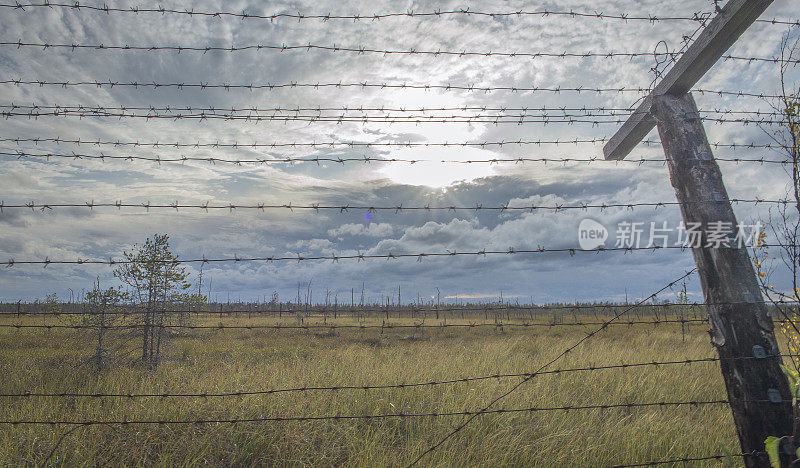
[(431, 383), (544, 367), (339, 417), (20, 154), (361, 256), (698, 17), (332, 327), (339, 119), (366, 85), (411, 308), (347, 144), (362, 50), (397, 208), (688, 459), (545, 110)]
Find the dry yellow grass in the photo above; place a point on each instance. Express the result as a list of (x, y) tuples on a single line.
[(241, 360)]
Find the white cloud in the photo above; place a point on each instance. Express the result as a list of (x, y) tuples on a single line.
[(368, 230), (104, 233), (310, 244)]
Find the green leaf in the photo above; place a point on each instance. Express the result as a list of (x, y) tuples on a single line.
[(791, 374), (771, 445)]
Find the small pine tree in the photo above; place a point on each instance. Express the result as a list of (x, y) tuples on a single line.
[(155, 280)]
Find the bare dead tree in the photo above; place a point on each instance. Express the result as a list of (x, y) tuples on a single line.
[(102, 320)]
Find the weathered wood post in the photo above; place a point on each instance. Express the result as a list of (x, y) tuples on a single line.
[(740, 327)]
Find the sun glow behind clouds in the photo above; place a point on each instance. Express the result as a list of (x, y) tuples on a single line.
[(433, 173)]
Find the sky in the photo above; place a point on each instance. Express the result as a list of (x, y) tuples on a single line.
[(102, 233)]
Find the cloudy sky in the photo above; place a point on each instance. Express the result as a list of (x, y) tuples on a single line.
[(101, 233)]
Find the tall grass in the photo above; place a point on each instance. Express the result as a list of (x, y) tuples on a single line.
[(240, 360)]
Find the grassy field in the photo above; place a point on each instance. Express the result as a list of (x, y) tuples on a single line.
[(241, 360)]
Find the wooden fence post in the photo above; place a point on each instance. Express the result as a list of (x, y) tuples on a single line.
[(741, 329)]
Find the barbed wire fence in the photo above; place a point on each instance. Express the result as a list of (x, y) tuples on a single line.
[(516, 316), (523, 377), (698, 17)]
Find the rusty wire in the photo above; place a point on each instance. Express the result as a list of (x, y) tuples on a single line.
[(394, 207), (344, 144), (334, 388), (363, 50), (697, 17), (366, 85), (339, 417), (410, 309), (22, 154), (386, 326)]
